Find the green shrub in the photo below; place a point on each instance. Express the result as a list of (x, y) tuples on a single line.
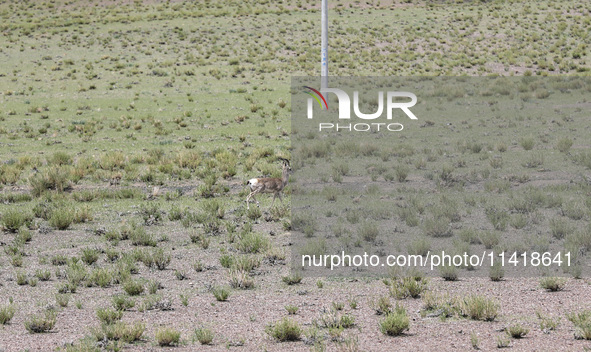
[(552, 284), (496, 272), (42, 210), (564, 144), (175, 213), (41, 323), (547, 324), (437, 227), (9, 174), (14, 219), (403, 287), (574, 210), (517, 331), (160, 259), (536, 159), (133, 287), (560, 227), (55, 178), (478, 307), (60, 158), (401, 173), (221, 293), (448, 272), (21, 278), (498, 218), (167, 337), (43, 274), (582, 323), (474, 341), (382, 306), (419, 246), (527, 143), (226, 260), (101, 277), (108, 315), (246, 263), (291, 309), (254, 213), (59, 259), (395, 323), (240, 279), (204, 336), (294, 278), (138, 236), (213, 207), (285, 330), (119, 331), (253, 242), (6, 313), (62, 299), (121, 302), (89, 255), (151, 213), (82, 215), (518, 221), (503, 342), (489, 239), (17, 260), (368, 231), (347, 321), (443, 305), (61, 218), (24, 235)]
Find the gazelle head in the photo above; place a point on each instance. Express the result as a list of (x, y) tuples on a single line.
[(285, 164)]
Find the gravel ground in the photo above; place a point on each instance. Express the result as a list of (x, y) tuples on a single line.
[(242, 319)]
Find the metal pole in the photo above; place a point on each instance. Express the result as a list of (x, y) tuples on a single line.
[(324, 46)]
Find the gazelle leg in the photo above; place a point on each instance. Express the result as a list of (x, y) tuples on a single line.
[(258, 205), (248, 199), (273, 202), (251, 195)]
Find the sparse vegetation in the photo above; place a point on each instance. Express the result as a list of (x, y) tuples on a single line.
[(582, 323), (204, 336), (167, 337), (108, 315), (128, 130), (285, 330), (517, 331), (477, 307), (221, 293), (6, 313), (13, 220), (41, 323), (552, 284), (395, 323)]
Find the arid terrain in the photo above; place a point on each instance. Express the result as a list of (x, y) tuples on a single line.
[(128, 131)]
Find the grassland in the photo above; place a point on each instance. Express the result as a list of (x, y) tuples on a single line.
[(127, 130)]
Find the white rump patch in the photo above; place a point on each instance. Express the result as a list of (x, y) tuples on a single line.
[(253, 181)]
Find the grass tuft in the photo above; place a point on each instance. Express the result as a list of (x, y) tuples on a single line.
[(285, 330)]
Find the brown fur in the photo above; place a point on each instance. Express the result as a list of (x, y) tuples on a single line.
[(269, 185)]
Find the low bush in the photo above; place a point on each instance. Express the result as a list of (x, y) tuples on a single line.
[(478, 307), (167, 337), (41, 323), (108, 315), (395, 322), (14, 219), (6, 314), (285, 330)]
